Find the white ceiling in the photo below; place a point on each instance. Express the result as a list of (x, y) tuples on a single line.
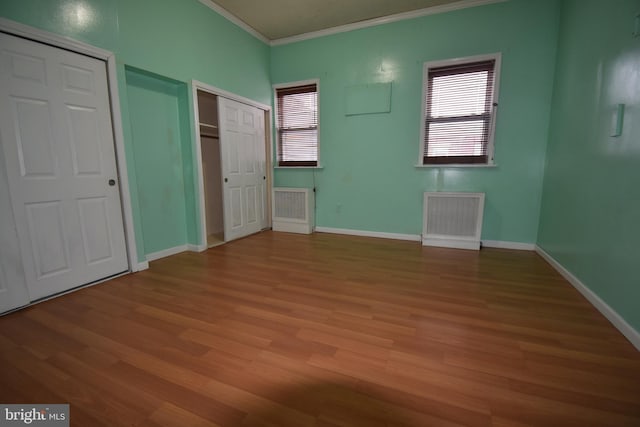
[(277, 19)]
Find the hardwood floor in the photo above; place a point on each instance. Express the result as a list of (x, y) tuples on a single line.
[(325, 330)]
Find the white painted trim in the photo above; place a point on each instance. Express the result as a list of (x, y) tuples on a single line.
[(234, 19), (364, 233), (500, 244), (125, 192), (277, 86), (175, 250), (199, 168), (53, 39), (167, 252), (497, 72), (464, 4), (496, 95), (296, 83), (418, 238), (195, 86), (196, 248), (268, 136), (56, 40), (618, 321), (229, 95), (141, 266)]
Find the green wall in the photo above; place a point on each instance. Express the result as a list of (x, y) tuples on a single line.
[(179, 39), (369, 180), (176, 40), (591, 206), (158, 147)]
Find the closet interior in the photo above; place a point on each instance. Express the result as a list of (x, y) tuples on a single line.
[(211, 167)]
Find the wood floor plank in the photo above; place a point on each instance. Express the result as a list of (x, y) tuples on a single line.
[(320, 330), (171, 415)]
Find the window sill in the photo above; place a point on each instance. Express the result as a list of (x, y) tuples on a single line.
[(299, 167), (492, 165)]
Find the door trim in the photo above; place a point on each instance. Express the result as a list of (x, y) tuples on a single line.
[(62, 42), (199, 190)]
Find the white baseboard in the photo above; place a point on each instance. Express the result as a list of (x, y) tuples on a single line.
[(364, 233), (618, 321), (175, 250), (140, 266), (499, 244), (166, 252), (196, 248), (418, 238)]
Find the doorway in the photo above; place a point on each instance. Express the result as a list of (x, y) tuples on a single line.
[(211, 167), (233, 164)]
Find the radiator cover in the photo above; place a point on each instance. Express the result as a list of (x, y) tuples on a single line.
[(453, 220), (293, 210)]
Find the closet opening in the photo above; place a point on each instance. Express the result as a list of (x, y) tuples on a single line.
[(211, 167)]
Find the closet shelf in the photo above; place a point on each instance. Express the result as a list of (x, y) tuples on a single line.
[(208, 130)]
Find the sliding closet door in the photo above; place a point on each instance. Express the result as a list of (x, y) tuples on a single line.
[(57, 142), (13, 289), (244, 168)]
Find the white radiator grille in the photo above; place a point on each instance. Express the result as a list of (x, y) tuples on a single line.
[(453, 216), (290, 204), (453, 219), (293, 210)]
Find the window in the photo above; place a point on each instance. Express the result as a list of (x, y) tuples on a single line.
[(297, 125), (459, 113)]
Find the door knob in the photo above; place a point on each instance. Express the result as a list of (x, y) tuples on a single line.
[(112, 182)]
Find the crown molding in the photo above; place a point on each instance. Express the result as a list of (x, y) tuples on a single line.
[(234, 19), (463, 4), (434, 10)]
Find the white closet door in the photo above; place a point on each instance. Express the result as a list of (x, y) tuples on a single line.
[(13, 289), (55, 128), (243, 167)]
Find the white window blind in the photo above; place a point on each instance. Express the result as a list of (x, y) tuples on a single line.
[(459, 113), (297, 125)]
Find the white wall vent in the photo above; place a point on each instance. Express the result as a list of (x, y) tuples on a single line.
[(453, 220), (293, 210)]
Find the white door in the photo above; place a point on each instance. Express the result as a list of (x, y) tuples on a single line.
[(56, 135), (13, 289), (243, 168)]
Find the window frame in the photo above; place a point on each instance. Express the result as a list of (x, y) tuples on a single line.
[(276, 127), (497, 57)]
